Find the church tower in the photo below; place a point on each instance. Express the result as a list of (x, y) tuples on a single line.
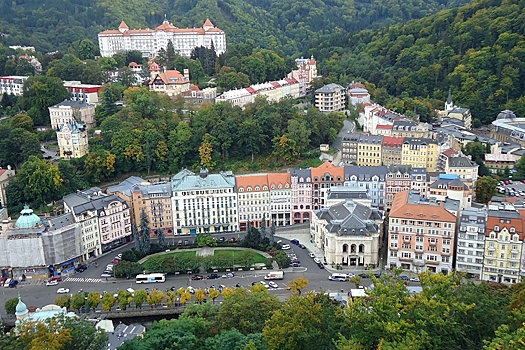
[(449, 105)]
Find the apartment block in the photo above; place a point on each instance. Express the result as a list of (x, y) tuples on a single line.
[(471, 241), (330, 98), (369, 150), (391, 150), (369, 178), (421, 234), (420, 153), (325, 176), (301, 180)]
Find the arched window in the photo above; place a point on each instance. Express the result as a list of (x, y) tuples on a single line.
[(361, 248), (345, 248)]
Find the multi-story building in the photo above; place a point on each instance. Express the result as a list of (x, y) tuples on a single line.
[(306, 72), (280, 198), (348, 233), (340, 194), (330, 98), (204, 203), (409, 128), (325, 176), (462, 166), (72, 140), (155, 201), (12, 85), (503, 244), (151, 41), (113, 216), (391, 149), (500, 162), (420, 181), (375, 115), (69, 111), (170, 82), (420, 153), (450, 186), (5, 175), (369, 178), (86, 93), (349, 145), (253, 200), (37, 248), (357, 94), (198, 97), (369, 150), (471, 241), (384, 129), (301, 180), (398, 179), (421, 234)]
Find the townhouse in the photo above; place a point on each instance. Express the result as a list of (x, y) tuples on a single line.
[(420, 153), (369, 150), (325, 176), (471, 241), (398, 179), (70, 111), (155, 201), (391, 149), (349, 145), (450, 186), (371, 179), (504, 239), (253, 200), (302, 191)]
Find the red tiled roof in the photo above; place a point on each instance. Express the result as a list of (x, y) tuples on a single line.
[(390, 141), (384, 126)]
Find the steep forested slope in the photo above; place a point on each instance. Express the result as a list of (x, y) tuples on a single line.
[(286, 26), (478, 50)]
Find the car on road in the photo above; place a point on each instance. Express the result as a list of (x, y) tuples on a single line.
[(273, 284), (311, 255), (212, 276), (115, 261), (350, 275), (62, 290), (56, 278), (221, 240), (286, 246), (296, 264), (364, 275), (106, 274), (403, 278), (232, 240), (302, 246), (254, 283), (317, 261), (52, 283), (119, 255), (266, 285), (228, 275), (321, 266), (414, 279), (238, 285), (197, 277), (81, 268), (295, 241)]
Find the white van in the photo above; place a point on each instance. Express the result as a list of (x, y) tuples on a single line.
[(340, 277)]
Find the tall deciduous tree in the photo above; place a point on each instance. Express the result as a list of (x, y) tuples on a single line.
[(206, 152), (99, 165), (41, 92), (485, 189)]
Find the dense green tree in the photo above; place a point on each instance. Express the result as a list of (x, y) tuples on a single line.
[(10, 306), (485, 189), (85, 49), (22, 121), (85, 336), (17, 145), (161, 238), (99, 165), (77, 301), (127, 269), (41, 92)]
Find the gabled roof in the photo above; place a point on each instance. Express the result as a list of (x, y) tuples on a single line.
[(350, 219), (123, 25), (208, 23), (171, 77), (410, 205)]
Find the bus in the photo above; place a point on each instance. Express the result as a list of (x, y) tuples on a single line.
[(341, 277), (151, 278)]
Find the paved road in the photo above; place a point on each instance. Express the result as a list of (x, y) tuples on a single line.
[(348, 127)]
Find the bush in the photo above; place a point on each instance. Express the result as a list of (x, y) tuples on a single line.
[(127, 269)]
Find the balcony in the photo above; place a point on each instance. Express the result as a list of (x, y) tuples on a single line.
[(407, 239), (393, 248), (433, 243), (405, 259), (445, 254), (431, 262)]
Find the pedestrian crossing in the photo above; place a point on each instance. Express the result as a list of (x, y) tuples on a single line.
[(81, 279)]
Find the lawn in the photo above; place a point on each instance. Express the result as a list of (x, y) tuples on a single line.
[(229, 254)]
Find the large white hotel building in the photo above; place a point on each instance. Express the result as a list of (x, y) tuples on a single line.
[(150, 41)]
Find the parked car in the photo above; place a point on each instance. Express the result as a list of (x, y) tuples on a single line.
[(294, 241), (56, 278), (115, 261), (302, 246), (232, 240), (221, 240), (317, 261), (311, 255), (286, 246), (414, 279), (62, 290), (197, 277), (296, 264), (228, 275), (52, 283), (212, 276), (403, 278), (265, 284), (81, 268), (119, 255), (321, 266), (106, 274), (13, 284)]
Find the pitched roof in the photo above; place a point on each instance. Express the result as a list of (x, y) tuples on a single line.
[(208, 23), (123, 25), (410, 205), (252, 181), (171, 77), (392, 141)]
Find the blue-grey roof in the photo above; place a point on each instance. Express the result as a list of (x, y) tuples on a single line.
[(350, 219), (161, 188), (122, 333), (461, 162), (126, 186), (365, 173), (371, 139), (60, 221), (190, 181), (73, 127), (72, 104), (301, 173), (346, 192), (330, 88), (90, 200)]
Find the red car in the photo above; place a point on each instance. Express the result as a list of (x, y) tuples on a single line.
[(197, 277), (115, 261)]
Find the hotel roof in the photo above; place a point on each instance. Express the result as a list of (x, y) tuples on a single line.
[(411, 205)]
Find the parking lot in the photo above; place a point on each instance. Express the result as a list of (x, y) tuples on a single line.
[(511, 188)]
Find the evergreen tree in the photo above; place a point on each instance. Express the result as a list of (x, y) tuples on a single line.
[(136, 237), (161, 238), (107, 107), (145, 232), (262, 230), (272, 232)]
